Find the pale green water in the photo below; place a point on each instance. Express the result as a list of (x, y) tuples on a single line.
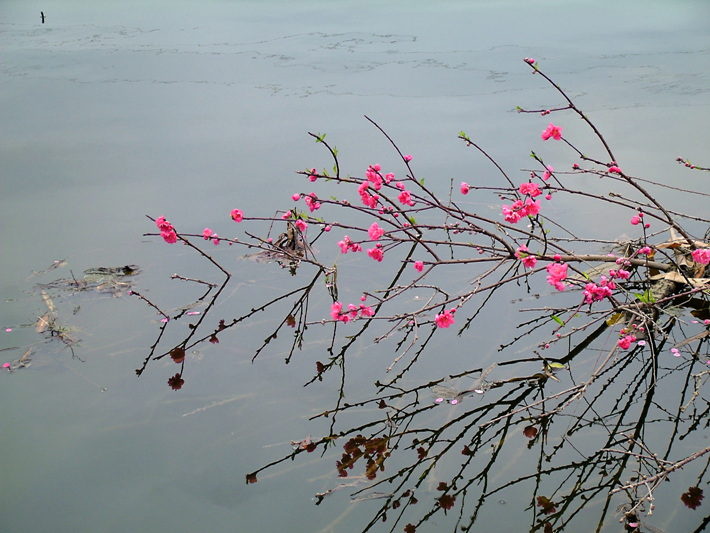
[(116, 110)]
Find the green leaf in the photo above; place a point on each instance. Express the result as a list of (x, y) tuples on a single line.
[(558, 320), (557, 366)]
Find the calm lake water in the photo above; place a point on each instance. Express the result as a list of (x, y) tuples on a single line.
[(115, 110)]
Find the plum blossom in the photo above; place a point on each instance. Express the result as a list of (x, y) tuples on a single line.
[(548, 172), (301, 225), (530, 189), (520, 209), (373, 176), (556, 273), (625, 342), (552, 131), (347, 245), (596, 293), (375, 231), (336, 311), (167, 232), (528, 260), (701, 255), (635, 220), (312, 201), (445, 319), (237, 215), (405, 197), (207, 234), (376, 254), (614, 169), (419, 266), (464, 187), (407, 158)]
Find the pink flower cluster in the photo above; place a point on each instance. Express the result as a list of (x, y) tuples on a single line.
[(621, 273), (625, 342), (336, 311), (528, 260), (419, 266), (552, 131), (530, 189), (347, 245), (370, 200), (445, 319), (375, 231), (376, 253), (312, 202), (521, 209), (557, 272), (209, 234), (596, 293), (167, 232), (701, 255)]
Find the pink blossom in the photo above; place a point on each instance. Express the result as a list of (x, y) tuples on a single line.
[(419, 265), (366, 311), (6, 365), (376, 254), (625, 342), (407, 158), (464, 187), (352, 309), (532, 207), (237, 215), (530, 189), (312, 202), (301, 225), (375, 232), (596, 293), (346, 244), (169, 236), (701, 255), (374, 177), (557, 272), (548, 172), (399, 185), (163, 224), (335, 310), (528, 260), (313, 176), (552, 131), (296, 197), (389, 177), (215, 239), (327, 228), (644, 251), (614, 169), (621, 274), (405, 197), (445, 319), (529, 60), (286, 215), (207, 233), (635, 220)]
